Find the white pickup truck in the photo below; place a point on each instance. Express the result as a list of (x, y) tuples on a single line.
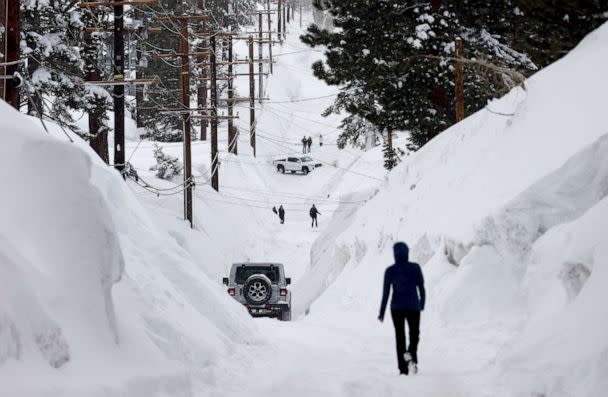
[(293, 164)]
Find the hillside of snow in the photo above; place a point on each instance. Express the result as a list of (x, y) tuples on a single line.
[(507, 216), (96, 298)]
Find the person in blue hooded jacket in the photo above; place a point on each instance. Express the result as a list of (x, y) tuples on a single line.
[(408, 300)]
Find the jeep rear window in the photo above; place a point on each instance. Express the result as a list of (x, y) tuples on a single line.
[(244, 272)]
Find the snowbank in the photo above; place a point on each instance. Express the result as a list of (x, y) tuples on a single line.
[(505, 214), (96, 298)]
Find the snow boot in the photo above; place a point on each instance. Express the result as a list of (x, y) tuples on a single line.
[(412, 368)]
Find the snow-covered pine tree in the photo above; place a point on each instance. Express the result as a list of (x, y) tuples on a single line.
[(393, 61), (166, 166), (97, 100), (54, 72)]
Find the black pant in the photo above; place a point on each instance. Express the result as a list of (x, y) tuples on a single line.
[(413, 323), (314, 222)]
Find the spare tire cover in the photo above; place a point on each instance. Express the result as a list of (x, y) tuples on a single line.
[(257, 289)]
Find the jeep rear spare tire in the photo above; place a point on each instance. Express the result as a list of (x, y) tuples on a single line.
[(257, 289)]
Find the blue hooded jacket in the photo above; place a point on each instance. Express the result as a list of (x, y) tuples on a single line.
[(407, 281)]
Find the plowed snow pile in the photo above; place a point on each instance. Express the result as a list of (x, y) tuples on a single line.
[(507, 215), (95, 298)]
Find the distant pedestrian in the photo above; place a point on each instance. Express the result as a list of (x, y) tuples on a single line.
[(313, 214), (408, 301), (304, 144), (282, 214), (309, 143), (320, 140), (274, 209)]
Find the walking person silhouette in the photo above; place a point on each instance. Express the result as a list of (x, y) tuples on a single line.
[(313, 214), (408, 301)]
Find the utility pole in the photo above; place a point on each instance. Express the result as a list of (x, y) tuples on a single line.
[(215, 181), (279, 18), (459, 81), (10, 49), (119, 90), (260, 56), (184, 56), (184, 49), (201, 91), (139, 94), (300, 13), (252, 97), (284, 26), (269, 35), (232, 136), (288, 11)]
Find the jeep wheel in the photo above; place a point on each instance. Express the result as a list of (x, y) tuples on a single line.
[(257, 290), (281, 169), (305, 170)]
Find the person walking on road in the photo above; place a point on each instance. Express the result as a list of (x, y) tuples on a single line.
[(304, 144), (309, 143), (313, 214), (282, 214), (408, 301), (321, 140)]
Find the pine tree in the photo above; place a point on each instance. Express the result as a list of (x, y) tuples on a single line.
[(54, 75), (393, 60), (166, 166)]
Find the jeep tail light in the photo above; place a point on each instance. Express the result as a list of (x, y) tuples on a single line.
[(232, 291), (267, 306), (283, 292)]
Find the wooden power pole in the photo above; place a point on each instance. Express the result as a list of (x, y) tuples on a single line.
[(260, 56), (252, 97), (119, 89), (184, 49), (10, 48), (215, 180), (201, 91), (459, 81), (232, 135), (269, 35), (279, 18)]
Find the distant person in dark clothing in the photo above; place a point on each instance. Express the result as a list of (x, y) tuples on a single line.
[(309, 142), (320, 140), (408, 301), (282, 214), (304, 144), (313, 214)]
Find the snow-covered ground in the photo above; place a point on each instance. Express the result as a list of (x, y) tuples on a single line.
[(106, 291)]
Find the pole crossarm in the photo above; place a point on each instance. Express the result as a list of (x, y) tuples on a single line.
[(235, 100), (92, 4), (219, 78), (209, 117), (263, 12), (216, 34), (184, 17), (124, 82), (182, 54), (127, 30)]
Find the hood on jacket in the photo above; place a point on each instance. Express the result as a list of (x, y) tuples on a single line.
[(402, 253)]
